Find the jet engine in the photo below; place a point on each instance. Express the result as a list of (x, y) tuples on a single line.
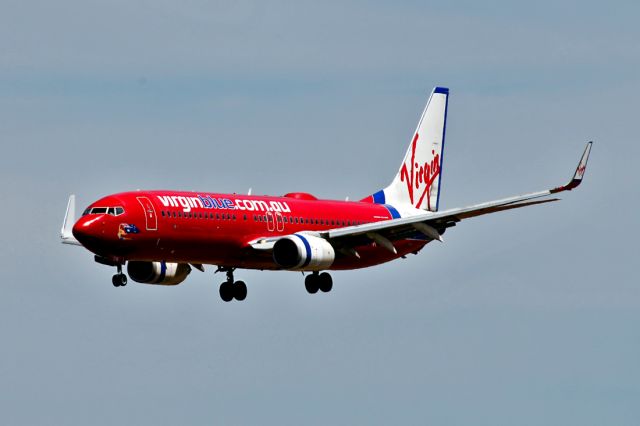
[(160, 273), (303, 252)]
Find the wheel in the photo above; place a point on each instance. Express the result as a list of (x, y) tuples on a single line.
[(226, 291), (311, 283), (325, 282), (240, 290), (119, 280)]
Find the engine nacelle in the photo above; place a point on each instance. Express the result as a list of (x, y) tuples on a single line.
[(161, 273), (303, 252)]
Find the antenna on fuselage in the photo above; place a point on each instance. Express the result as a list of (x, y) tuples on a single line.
[(249, 193)]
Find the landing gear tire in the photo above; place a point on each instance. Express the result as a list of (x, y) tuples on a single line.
[(240, 290), (230, 290), (119, 280), (311, 283), (226, 291), (325, 282)]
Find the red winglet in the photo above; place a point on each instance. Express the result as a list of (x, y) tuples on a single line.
[(579, 174)]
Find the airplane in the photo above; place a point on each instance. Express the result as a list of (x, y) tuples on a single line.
[(162, 235)]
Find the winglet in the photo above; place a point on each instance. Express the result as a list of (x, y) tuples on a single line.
[(579, 173), (67, 225)]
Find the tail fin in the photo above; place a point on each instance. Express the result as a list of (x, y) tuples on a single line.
[(417, 183)]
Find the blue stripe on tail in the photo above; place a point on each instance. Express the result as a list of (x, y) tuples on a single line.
[(379, 197)]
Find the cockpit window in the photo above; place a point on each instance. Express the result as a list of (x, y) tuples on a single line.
[(113, 211)]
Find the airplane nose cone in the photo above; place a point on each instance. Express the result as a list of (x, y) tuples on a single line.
[(87, 230)]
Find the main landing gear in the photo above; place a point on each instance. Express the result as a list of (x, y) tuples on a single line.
[(230, 290), (317, 281), (119, 279)]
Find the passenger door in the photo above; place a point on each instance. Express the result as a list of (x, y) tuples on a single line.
[(151, 219)]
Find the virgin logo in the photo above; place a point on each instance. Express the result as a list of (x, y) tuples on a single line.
[(581, 170), (420, 178)]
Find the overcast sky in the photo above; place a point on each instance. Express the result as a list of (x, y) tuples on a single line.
[(527, 317)]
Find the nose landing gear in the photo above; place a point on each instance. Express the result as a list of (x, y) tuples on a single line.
[(119, 279), (230, 290)]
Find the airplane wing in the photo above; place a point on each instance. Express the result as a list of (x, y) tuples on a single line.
[(67, 225), (432, 225)]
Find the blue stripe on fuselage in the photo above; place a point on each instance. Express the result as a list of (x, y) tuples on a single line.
[(392, 210)]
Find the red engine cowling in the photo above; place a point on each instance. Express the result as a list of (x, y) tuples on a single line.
[(160, 273), (303, 252)]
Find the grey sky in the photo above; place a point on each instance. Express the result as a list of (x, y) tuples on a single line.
[(527, 317)]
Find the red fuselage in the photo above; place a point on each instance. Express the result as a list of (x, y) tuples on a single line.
[(207, 228)]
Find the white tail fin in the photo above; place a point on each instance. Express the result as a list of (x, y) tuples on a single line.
[(418, 181)]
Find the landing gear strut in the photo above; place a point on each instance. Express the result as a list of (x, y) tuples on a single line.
[(119, 279), (317, 281), (230, 290)]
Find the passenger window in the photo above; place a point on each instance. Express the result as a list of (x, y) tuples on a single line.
[(162, 213)]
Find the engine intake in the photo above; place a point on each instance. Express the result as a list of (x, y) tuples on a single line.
[(303, 252), (160, 273)]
